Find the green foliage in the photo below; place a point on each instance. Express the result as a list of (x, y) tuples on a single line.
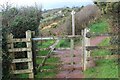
[(104, 69), (45, 44), (63, 43), (20, 20), (16, 21), (46, 75), (111, 11), (100, 26)]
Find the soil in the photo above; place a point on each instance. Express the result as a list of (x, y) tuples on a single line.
[(67, 70)]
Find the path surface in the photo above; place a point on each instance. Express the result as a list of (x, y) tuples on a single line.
[(74, 71)]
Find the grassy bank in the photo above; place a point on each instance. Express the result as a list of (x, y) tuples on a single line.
[(104, 68), (100, 26)]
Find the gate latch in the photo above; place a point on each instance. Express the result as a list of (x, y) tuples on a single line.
[(88, 35)]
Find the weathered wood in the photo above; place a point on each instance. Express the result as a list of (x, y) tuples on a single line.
[(19, 49), (21, 60), (29, 53), (42, 49), (11, 46), (103, 34), (86, 42), (19, 40), (62, 48), (49, 53), (34, 47), (72, 51), (102, 47), (41, 56), (22, 71), (107, 57)]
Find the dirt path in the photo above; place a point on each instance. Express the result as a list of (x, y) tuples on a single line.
[(74, 71)]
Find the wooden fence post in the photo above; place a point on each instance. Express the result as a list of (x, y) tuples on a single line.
[(72, 50), (29, 53), (11, 46), (34, 52), (86, 42), (71, 40)]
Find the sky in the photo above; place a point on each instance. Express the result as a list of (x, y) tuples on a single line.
[(48, 4)]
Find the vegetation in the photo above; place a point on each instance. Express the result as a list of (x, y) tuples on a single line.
[(16, 21), (111, 11), (63, 43), (100, 26), (51, 74), (104, 68)]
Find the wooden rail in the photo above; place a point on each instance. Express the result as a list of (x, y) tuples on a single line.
[(102, 47), (28, 49), (56, 38), (48, 55)]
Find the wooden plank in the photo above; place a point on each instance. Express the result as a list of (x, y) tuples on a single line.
[(19, 49), (86, 42), (41, 56), (49, 53), (71, 50), (29, 53), (42, 49), (62, 48), (102, 47), (103, 34), (22, 71), (21, 60), (107, 57), (20, 40)]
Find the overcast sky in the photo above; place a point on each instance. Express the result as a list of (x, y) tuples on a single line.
[(48, 4)]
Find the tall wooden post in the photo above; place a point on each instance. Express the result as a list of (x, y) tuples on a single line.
[(86, 42), (11, 46), (29, 53), (73, 33), (34, 52), (82, 33)]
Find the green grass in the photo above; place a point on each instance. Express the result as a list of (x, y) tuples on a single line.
[(45, 44), (23, 76), (43, 52), (104, 68), (46, 75), (53, 59), (53, 67), (100, 26), (63, 43), (39, 60), (102, 52)]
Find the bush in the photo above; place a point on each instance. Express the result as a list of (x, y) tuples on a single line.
[(16, 21)]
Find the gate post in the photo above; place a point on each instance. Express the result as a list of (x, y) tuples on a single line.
[(29, 53), (86, 42)]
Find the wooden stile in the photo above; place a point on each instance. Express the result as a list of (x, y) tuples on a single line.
[(28, 49)]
